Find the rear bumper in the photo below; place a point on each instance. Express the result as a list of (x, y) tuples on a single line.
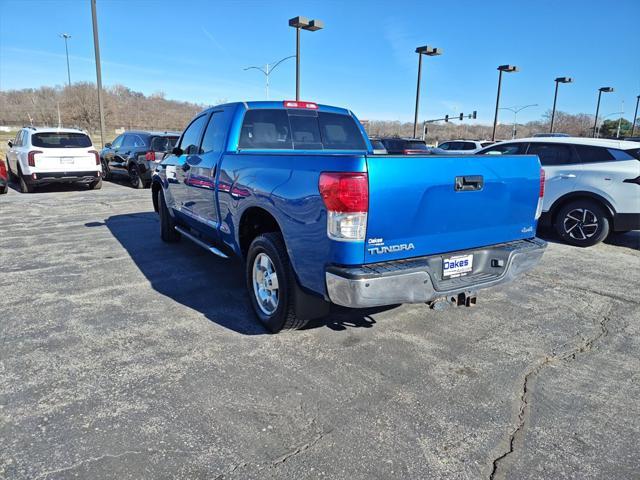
[(419, 280), (43, 178)]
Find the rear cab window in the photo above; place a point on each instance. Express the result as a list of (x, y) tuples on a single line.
[(298, 129), (60, 140), (163, 144)]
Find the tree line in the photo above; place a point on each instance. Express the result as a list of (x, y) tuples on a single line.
[(77, 106)]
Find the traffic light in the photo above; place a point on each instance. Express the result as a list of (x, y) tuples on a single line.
[(461, 116), (474, 114), (446, 118)]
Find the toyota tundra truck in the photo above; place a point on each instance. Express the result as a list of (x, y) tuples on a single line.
[(294, 190)]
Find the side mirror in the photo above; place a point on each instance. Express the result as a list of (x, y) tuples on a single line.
[(10, 143), (177, 151), (107, 145)]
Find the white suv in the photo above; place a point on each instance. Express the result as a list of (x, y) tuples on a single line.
[(40, 156), (592, 185), (461, 147)]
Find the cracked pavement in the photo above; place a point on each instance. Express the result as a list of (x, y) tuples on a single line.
[(122, 357)]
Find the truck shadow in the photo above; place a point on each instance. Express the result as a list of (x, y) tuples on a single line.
[(213, 286)]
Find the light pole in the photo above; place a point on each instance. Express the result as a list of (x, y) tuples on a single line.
[(96, 46), (635, 115), (501, 68), (600, 91), (66, 37), (268, 70), (305, 24), (515, 111), (558, 81), (431, 52)]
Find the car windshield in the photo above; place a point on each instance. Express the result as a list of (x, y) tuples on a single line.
[(60, 140), (416, 145), (163, 144)]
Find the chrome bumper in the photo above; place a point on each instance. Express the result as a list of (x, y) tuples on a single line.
[(419, 280)]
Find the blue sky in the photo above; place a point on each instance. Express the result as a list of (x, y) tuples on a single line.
[(196, 50)]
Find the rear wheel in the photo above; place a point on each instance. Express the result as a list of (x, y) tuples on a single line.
[(167, 223), (4, 190), (96, 184), (106, 174), (134, 177), (582, 223), (24, 186), (271, 283)]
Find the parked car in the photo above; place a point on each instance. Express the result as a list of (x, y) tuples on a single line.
[(135, 154), (405, 146), (40, 156), (592, 185), (563, 135), (4, 178), (461, 147), (378, 146), (293, 189)]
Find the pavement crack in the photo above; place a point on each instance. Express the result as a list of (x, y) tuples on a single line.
[(299, 449), (524, 400)]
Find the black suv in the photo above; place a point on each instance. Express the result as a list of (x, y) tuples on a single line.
[(405, 146), (134, 154)]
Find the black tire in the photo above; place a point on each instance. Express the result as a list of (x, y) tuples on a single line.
[(284, 316), (4, 190), (10, 173), (106, 173), (168, 232), (24, 186), (582, 223), (134, 178), (96, 184)]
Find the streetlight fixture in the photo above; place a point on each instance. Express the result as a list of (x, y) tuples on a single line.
[(635, 115), (305, 24), (601, 90), (501, 68), (268, 70), (66, 37), (558, 81), (96, 47), (515, 111), (430, 52)]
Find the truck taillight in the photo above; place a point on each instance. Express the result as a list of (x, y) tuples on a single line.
[(297, 104), (31, 157), (151, 156), (346, 196), (540, 194), (97, 155)]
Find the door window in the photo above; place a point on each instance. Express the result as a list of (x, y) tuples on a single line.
[(444, 146), (128, 141), (517, 148), (552, 153), (214, 135), (191, 136), (117, 142), (591, 154), (469, 146)]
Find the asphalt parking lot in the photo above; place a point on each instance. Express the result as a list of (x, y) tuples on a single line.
[(123, 357)]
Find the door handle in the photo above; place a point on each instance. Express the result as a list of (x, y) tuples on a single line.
[(469, 183), (567, 175)]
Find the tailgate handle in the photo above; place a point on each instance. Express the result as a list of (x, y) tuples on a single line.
[(469, 182)]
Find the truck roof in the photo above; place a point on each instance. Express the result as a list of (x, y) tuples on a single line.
[(280, 104)]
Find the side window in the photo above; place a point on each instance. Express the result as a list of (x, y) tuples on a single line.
[(191, 136), (469, 146), (506, 149), (20, 139), (138, 141), (117, 143), (444, 146), (552, 153), (590, 154), (128, 141), (214, 135)]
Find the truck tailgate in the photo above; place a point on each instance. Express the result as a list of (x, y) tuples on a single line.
[(425, 205)]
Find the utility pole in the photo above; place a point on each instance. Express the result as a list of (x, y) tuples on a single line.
[(96, 45), (66, 37), (635, 115)]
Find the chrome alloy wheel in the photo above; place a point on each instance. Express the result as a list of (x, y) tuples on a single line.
[(265, 284), (581, 224)]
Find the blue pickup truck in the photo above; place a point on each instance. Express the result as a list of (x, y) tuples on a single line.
[(293, 189)]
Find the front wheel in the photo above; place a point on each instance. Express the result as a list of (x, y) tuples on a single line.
[(4, 190), (582, 223), (271, 283), (168, 231), (96, 184), (106, 173), (134, 177)]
